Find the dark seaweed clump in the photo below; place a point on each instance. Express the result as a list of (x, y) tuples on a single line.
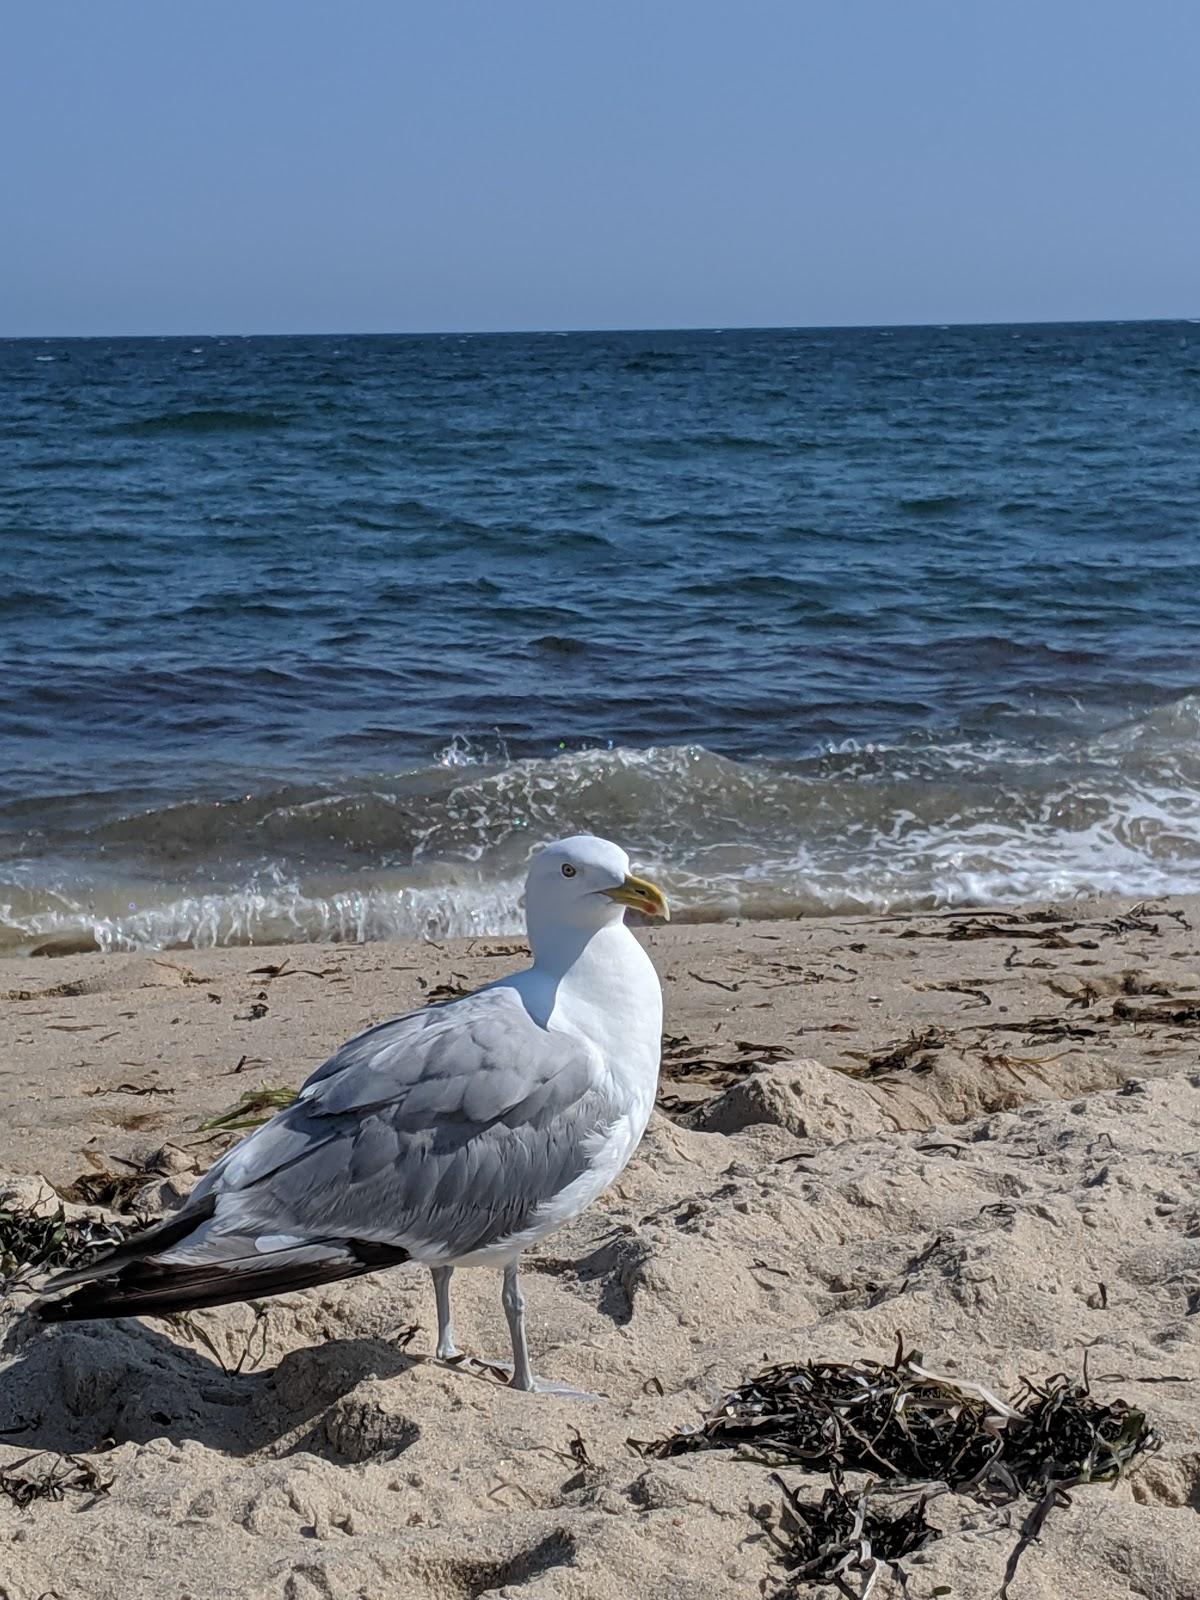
[(907, 1426), (62, 1475), (844, 1534), (32, 1241)]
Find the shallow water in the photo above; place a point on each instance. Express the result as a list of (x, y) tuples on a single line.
[(317, 637)]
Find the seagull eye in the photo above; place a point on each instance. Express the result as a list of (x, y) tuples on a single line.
[(568, 870)]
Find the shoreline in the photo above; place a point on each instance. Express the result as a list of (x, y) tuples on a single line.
[(967, 816), (1075, 905)]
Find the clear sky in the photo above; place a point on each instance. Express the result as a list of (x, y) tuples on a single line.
[(388, 165)]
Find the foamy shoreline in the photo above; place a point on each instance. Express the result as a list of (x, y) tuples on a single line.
[(953, 818)]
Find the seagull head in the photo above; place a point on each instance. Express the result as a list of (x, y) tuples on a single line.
[(585, 883)]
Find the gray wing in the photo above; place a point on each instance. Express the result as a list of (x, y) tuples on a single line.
[(446, 1129)]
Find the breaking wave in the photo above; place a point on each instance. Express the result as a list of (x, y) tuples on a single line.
[(439, 850)]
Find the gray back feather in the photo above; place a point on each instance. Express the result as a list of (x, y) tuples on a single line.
[(451, 1125)]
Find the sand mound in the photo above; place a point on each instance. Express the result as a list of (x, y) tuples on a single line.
[(803, 1097)]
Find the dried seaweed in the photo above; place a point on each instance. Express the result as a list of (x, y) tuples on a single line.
[(255, 1107), (971, 987), (908, 1426), (1048, 927), (915, 1054), (32, 1241), (64, 1473), (284, 969), (128, 1088), (707, 1070), (254, 1347), (490, 951), (844, 1535), (858, 1416), (1178, 1013), (1050, 1028), (716, 983), (1136, 919), (454, 988), (683, 1060), (701, 1071), (1049, 932), (116, 1191)]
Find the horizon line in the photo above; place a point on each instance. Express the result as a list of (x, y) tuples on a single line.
[(698, 327)]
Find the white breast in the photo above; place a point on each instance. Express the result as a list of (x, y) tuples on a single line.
[(611, 997)]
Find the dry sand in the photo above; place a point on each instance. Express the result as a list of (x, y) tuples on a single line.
[(806, 1190)]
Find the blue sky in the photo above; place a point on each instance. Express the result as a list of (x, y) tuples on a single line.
[(382, 165)]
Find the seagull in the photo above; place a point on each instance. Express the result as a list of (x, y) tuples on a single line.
[(455, 1136)]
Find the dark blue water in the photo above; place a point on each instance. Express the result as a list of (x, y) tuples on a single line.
[(319, 636)]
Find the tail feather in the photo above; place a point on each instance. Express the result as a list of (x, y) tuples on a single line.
[(162, 1236), (133, 1282)]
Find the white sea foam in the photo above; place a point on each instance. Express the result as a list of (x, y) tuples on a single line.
[(279, 914), (441, 851)]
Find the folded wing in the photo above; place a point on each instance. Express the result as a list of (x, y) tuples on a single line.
[(430, 1137)]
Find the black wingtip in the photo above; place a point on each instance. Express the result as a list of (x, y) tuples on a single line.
[(161, 1236), (151, 1288), (92, 1301), (52, 1310)]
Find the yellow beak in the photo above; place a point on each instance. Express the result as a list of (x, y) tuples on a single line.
[(643, 896)]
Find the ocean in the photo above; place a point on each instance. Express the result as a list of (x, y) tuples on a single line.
[(317, 638)]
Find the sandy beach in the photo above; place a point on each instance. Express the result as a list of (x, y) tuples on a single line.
[(980, 1130)]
